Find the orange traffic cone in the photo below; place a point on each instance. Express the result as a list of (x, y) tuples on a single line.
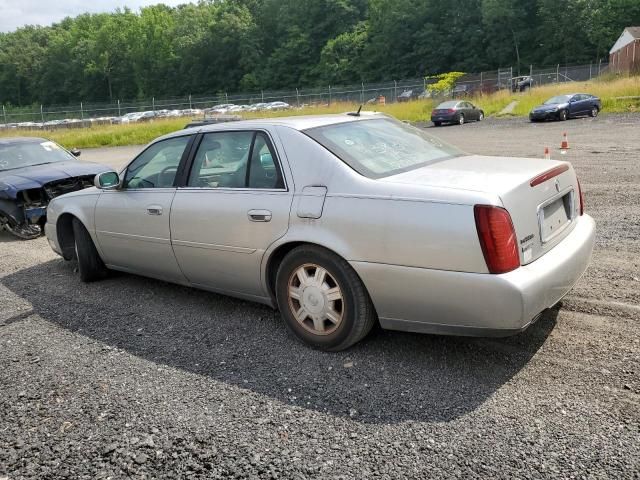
[(564, 145)]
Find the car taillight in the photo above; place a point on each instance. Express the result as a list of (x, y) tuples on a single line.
[(497, 238), (433, 112), (451, 110), (581, 195)]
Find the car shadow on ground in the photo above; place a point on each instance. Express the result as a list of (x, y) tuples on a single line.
[(387, 378)]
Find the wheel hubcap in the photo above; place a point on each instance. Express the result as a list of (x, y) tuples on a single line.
[(315, 299)]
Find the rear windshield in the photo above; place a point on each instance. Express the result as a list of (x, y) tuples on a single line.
[(447, 105), (27, 154), (381, 147)]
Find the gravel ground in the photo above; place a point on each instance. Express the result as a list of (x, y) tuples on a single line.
[(132, 377)]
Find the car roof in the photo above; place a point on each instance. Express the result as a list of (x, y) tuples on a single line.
[(301, 122), (15, 140)]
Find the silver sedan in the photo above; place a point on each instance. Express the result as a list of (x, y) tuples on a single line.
[(340, 221)]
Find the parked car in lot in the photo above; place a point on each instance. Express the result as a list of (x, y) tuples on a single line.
[(562, 107), (456, 111), (341, 221), (33, 171)]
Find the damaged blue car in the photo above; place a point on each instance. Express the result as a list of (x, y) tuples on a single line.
[(32, 172)]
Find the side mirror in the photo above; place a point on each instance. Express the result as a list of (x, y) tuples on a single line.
[(107, 181), (75, 152)]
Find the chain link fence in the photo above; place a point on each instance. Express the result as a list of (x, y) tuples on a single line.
[(84, 115)]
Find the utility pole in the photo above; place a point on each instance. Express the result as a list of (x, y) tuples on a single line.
[(81, 113), (41, 113), (362, 93), (329, 95), (298, 97), (190, 107), (4, 114), (395, 91), (119, 107)]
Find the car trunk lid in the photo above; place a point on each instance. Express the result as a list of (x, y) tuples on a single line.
[(540, 195)]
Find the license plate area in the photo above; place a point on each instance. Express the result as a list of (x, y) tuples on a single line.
[(555, 215)]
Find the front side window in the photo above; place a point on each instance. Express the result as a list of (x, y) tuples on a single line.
[(157, 166), (381, 147)]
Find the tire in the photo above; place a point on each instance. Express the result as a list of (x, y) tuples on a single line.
[(90, 265), (461, 119), (325, 323), (594, 112), (437, 124), (563, 115), (481, 116)]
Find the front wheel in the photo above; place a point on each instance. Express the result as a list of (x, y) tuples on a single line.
[(90, 265), (461, 120), (322, 300), (594, 112), (563, 115)]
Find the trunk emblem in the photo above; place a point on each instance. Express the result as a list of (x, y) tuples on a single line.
[(557, 185)]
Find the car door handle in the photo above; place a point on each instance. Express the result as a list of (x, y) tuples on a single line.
[(259, 215), (154, 210)]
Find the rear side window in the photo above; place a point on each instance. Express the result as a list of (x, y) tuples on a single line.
[(235, 160), (381, 147)]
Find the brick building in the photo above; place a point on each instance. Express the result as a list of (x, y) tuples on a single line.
[(624, 56)]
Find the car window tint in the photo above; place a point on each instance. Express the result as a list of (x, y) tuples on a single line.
[(221, 160), (264, 171), (157, 166)]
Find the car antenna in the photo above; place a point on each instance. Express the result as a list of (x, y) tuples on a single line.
[(355, 114)]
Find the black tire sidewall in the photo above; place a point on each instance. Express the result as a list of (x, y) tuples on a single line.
[(90, 265), (334, 266)]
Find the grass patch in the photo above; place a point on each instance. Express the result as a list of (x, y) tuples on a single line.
[(609, 91)]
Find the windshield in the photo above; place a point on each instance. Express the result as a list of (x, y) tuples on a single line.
[(557, 99), (27, 154), (381, 147)]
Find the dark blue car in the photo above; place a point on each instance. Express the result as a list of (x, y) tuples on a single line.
[(562, 107), (32, 172)]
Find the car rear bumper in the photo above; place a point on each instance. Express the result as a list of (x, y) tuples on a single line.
[(444, 118), (458, 303)]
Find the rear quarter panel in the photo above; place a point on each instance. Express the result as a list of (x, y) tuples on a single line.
[(368, 220)]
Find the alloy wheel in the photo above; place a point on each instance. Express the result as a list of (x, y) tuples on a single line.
[(315, 299)]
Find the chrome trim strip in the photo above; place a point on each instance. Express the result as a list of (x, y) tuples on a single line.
[(210, 246)]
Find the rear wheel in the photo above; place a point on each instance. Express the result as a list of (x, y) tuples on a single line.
[(481, 116), (594, 112), (461, 119), (90, 265), (563, 115), (322, 300)]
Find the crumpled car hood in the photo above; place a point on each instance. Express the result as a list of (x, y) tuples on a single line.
[(37, 175)]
